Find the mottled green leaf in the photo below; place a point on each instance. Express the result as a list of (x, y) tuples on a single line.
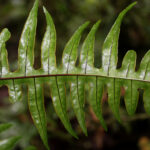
[(70, 51), (36, 106), (77, 97), (96, 85), (59, 102), (110, 46), (87, 52), (49, 46), (4, 68), (26, 45), (114, 87), (14, 89)]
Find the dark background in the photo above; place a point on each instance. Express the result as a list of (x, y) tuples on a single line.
[(134, 132)]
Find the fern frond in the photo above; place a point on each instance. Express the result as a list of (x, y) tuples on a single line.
[(85, 74)]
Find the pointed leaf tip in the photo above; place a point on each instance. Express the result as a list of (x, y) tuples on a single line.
[(134, 3), (44, 9), (96, 25), (110, 46), (35, 6), (70, 51), (86, 23), (98, 22), (129, 7)]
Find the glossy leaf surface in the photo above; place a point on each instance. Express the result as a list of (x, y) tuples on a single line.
[(81, 79)]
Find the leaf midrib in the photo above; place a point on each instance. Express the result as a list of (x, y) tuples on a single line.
[(52, 75)]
